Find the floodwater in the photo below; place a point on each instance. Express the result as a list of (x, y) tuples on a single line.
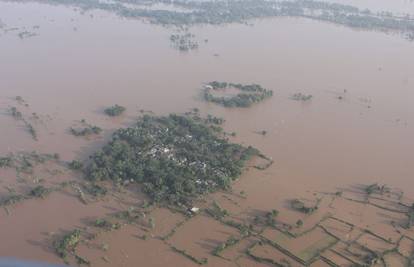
[(357, 129)]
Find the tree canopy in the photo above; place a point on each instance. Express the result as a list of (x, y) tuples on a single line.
[(176, 158)]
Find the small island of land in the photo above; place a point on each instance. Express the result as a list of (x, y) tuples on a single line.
[(247, 94), (115, 110), (176, 158)]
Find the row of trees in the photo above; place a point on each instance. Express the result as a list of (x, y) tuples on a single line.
[(223, 12), (184, 42)]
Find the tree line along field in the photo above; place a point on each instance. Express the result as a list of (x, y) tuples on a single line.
[(188, 13)]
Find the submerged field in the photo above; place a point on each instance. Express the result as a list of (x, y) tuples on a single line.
[(94, 169)]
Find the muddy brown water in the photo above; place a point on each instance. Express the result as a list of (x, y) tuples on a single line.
[(357, 129)]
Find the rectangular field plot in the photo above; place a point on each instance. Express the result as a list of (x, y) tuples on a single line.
[(164, 221), (406, 247), (335, 259), (125, 247), (388, 204), (320, 263), (233, 252), (337, 228), (201, 235), (304, 248), (352, 253), (395, 260), (374, 243), (267, 254)]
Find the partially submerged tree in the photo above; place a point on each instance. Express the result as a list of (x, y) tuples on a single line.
[(115, 110)]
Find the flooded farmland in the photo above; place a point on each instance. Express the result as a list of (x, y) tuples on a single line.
[(61, 67)]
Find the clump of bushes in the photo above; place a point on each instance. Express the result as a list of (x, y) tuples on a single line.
[(25, 161), (370, 189), (302, 207), (271, 217), (75, 165), (228, 243), (115, 110), (67, 244), (107, 225), (184, 42), (12, 199), (88, 130), (376, 188), (5, 162), (96, 190), (39, 192), (249, 94), (31, 130), (301, 97), (216, 211), (214, 120)]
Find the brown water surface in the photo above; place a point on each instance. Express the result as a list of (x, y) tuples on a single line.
[(357, 129)]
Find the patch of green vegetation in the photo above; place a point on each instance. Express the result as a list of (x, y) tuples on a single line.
[(36, 192), (410, 215), (107, 225), (115, 110), (75, 165), (224, 12), (96, 190), (26, 34), (31, 130), (80, 260), (25, 161), (249, 94), (262, 132), (216, 211), (231, 241), (271, 217), (243, 228), (6, 162), (11, 199), (299, 205), (39, 192), (151, 223), (214, 120), (184, 42), (130, 216), (370, 189), (177, 158), (301, 97), (67, 244), (86, 131), (376, 188)]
